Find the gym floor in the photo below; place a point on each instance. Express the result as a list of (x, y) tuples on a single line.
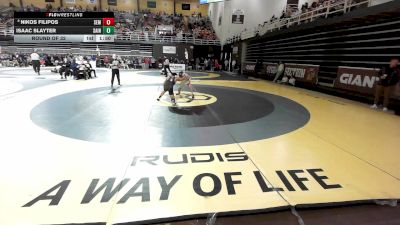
[(82, 152)]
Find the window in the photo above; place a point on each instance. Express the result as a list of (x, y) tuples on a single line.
[(151, 4), (112, 2), (185, 6)]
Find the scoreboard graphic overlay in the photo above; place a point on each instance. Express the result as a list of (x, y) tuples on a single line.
[(36, 27)]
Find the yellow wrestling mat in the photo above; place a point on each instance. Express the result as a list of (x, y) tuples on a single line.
[(137, 160)]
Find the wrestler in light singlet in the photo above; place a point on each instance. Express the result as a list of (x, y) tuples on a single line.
[(185, 78)]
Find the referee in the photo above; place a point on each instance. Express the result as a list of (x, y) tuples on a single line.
[(35, 61), (115, 65), (166, 66)]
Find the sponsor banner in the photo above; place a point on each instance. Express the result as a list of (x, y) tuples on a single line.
[(92, 1), (238, 16), (361, 80), (302, 72), (249, 69), (169, 49), (175, 68), (267, 71), (70, 1), (270, 70)]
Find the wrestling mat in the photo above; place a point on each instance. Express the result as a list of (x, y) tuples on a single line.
[(80, 152)]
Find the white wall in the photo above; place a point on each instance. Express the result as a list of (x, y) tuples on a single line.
[(255, 12), (373, 2), (377, 2), (215, 10)]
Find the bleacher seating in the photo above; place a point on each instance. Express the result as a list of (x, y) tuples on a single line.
[(319, 10), (141, 27), (366, 37), (125, 38)]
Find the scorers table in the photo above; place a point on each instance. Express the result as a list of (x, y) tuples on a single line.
[(34, 27)]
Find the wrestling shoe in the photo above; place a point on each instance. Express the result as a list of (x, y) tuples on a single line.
[(374, 106)]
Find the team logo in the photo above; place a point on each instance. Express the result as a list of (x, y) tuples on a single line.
[(185, 99)]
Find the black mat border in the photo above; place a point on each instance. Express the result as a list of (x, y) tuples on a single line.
[(245, 212)]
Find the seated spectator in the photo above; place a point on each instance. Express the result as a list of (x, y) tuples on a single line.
[(283, 15)]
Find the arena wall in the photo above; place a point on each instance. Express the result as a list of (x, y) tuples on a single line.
[(255, 12), (7, 3)]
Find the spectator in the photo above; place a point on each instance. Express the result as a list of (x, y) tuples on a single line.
[(279, 71), (115, 65), (389, 76), (35, 62), (233, 65), (258, 67), (166, 66), (283, 15), (205, 64), (217, 66), (197, 64)]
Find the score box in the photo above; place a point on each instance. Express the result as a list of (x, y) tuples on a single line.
[(104, 38), (33, 27), (108, 30), (108, 22), (63, 38), (47, 38)]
